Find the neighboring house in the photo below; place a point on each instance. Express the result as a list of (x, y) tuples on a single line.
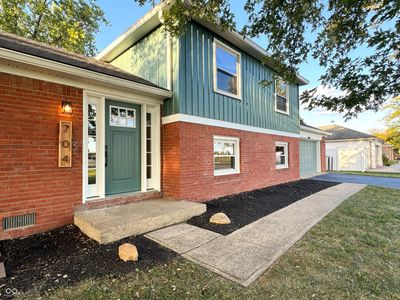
[(390, 152), (195, 125), (351, 150)]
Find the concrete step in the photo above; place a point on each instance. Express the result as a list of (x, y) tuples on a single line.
[(110, 224)]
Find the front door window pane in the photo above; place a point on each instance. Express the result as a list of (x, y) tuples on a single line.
[(92, 143)]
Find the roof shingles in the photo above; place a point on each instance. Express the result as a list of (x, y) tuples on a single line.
[(343, 133), (23, 45)]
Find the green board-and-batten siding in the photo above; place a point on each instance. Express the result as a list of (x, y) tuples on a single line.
[(147, 58), (194, 94), (192, 80)]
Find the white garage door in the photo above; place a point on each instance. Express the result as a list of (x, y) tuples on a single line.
[(350, 159), (308, 157)]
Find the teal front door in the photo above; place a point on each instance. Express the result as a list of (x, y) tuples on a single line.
[(122, 147)]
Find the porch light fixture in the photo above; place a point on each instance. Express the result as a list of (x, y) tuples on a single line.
[(66, 107)]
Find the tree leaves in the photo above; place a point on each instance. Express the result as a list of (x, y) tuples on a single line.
[(330, 31), (70, 24)]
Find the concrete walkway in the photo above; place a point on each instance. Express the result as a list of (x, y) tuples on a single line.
[(393, 183), (387, 169), (245, 254)]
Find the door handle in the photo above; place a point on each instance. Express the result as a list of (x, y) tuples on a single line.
[(106, 156)]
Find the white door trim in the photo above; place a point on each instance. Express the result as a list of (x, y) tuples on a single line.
[(101, 142)]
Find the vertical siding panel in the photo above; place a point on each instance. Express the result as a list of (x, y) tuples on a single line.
[(206, 77), (182, 75), (202, 104), (195, 100), (189, 71), (147, 58)]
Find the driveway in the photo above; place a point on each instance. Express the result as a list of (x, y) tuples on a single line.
[(393, 183)]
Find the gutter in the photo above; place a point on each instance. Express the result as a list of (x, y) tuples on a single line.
[(314, 130)]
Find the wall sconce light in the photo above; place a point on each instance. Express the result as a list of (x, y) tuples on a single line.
[(66, 107)]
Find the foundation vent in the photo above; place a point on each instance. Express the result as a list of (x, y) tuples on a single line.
[(19, 221)]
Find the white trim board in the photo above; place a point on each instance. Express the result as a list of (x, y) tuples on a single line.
[(22, 58), (217, 123)]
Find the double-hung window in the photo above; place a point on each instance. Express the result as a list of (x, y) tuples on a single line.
[(226, 155), (281, 96), (281, 155), (227, 79)]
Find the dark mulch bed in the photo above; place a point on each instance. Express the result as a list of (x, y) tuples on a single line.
[(245, 208), (66, 256)]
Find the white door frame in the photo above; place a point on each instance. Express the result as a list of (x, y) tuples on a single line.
[(99, 99)]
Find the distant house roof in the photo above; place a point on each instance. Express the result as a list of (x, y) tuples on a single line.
[(344, 133), (41, 50)]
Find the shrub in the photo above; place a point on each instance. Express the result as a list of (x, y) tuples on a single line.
[(385, 160)]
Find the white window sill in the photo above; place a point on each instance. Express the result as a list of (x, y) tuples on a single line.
[(280, 167), (282, 112), (237, 97), (226, 172)]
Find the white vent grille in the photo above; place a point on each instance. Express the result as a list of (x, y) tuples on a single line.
[(19, 221)]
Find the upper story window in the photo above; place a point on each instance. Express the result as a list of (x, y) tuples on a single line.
[(281, 96), (227, 79)]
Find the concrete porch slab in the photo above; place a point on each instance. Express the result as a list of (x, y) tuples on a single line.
[(111, 224)]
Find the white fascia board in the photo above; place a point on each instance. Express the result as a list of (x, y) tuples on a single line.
[(22, 58), (217, 123), (138, 30), (314, 130)]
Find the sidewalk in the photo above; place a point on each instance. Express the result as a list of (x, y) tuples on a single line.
[(245, 254)]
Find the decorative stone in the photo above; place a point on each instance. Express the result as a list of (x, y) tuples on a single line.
[(128, 252), (220, 218)]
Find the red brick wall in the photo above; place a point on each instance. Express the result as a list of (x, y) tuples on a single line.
[(188, 163), (30, 179), (323, 155)]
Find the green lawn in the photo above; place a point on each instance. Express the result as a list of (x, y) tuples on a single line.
[(371, 173), (354, 253)]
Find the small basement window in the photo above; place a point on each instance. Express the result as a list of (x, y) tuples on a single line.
[(281, 96), (226, 155), (226, 70), (281, 155)]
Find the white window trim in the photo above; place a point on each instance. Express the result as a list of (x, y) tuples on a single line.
[(285, 145), (287, 112), (238, 67), (237, 155)]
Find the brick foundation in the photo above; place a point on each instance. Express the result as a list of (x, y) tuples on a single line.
[(188, 163), (30, 179)]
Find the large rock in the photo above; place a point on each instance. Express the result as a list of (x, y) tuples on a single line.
[(128, 252), (220, 218)]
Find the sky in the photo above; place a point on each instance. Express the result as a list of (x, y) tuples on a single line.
[(127, 12)]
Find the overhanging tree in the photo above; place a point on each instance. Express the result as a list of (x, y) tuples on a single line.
[(330, 31), (70, 24)]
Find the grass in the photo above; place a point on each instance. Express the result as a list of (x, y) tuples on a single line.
[(354, 253), (371, 173)]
